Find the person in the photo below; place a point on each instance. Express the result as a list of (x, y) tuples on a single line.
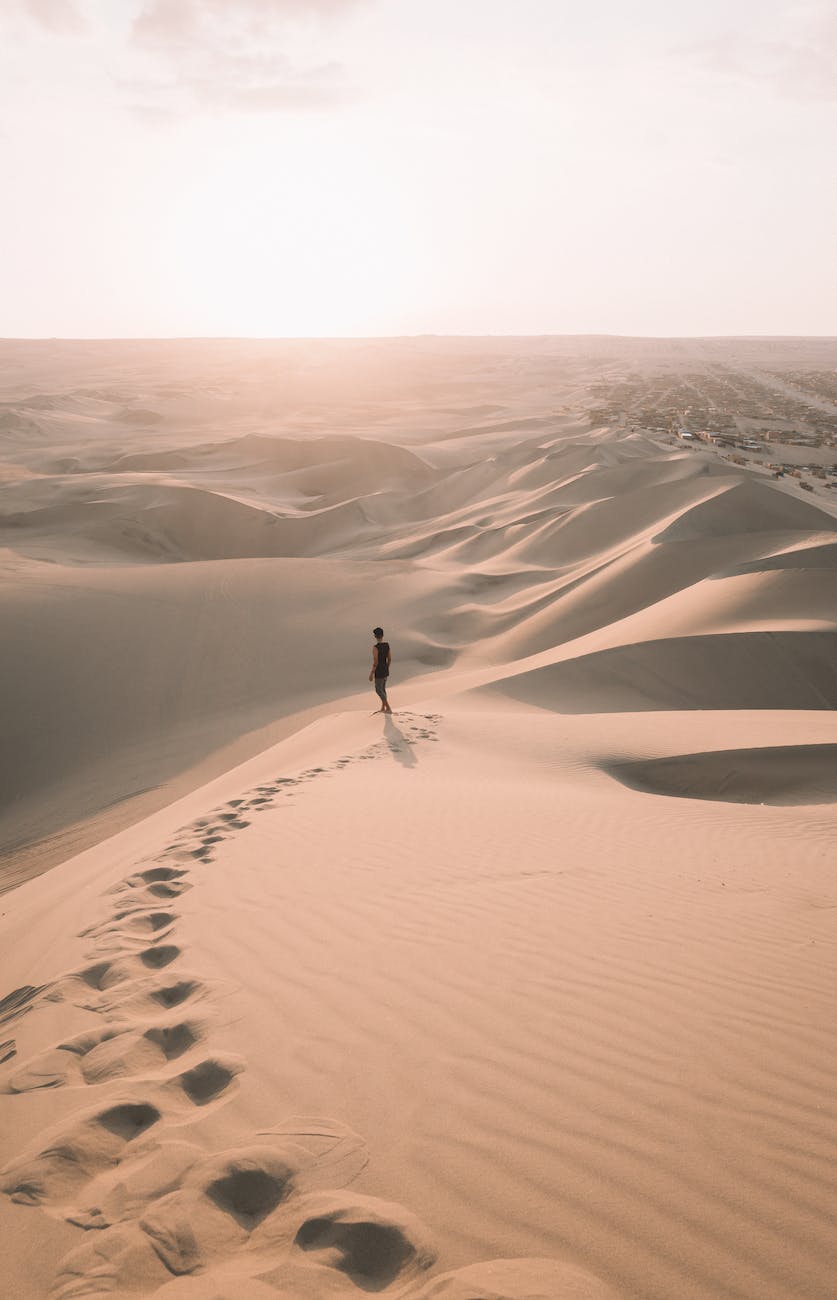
[(381, 659)]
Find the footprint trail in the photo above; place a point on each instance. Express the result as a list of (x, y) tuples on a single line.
[(162, 1207)]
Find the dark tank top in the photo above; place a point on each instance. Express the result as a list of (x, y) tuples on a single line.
[(381, 669)]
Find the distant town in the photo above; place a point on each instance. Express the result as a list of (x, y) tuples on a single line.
[(785, 421)]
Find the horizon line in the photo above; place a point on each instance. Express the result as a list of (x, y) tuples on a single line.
[(373, 338)]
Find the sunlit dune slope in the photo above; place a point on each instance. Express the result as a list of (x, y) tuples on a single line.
[(469, 1001)]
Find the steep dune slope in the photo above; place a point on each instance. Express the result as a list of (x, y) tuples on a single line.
[(735, 670), (121, 677)]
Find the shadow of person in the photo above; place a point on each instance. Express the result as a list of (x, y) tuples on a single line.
[(400, 748)]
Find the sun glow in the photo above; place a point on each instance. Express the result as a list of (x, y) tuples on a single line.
[(298, 232), (374, 167)]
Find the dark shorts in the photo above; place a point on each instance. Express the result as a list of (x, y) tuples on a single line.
[(381, 687)]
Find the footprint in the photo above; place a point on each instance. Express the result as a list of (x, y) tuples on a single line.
[(77, 1154), (100, 1056), (174, 1040), (149, 921), (208, 1080), (174, 995), (159, 957), (135, 1052), (374, 1243), (248, 1195), (103, 975), (137, 885), (145, 997), (132, 922), (154, 874), (166, 890), (161, 1171), (141, 894), (128, 1120), (223, 1200), (109, 1263)]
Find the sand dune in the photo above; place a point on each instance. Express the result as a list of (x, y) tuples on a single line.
[(524, 992), (749, 670), (124, 676), (748, 507), (534, 993), (780, 775)]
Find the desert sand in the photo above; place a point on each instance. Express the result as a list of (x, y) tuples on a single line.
[(525, 991)]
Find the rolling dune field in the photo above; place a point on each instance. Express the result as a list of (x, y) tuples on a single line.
[(522, 992)]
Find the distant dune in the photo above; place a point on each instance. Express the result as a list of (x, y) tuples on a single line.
[(523, 991)]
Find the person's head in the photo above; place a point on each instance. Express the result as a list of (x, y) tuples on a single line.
[(378, 633)]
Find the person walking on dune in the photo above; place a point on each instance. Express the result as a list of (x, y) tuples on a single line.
[(381, 658)]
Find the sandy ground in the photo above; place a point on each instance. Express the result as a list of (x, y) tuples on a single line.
[(524, 991)]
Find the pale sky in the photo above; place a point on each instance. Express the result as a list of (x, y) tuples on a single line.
[(371, 167)]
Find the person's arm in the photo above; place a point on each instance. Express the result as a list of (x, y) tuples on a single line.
[(389, 659), (374, 662)]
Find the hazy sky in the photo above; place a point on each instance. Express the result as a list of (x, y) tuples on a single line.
[(322, 167)]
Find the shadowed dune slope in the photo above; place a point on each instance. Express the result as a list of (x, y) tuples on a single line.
[(782, 775), (115, 679), (823, 556), (738, 670), (748, 507)]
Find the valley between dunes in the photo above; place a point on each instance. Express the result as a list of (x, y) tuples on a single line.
[(524, 991)]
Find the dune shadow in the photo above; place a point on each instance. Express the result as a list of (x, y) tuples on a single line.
[(778, 775), (398, 744)]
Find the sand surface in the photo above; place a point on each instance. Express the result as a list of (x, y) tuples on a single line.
[(525, 991)]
